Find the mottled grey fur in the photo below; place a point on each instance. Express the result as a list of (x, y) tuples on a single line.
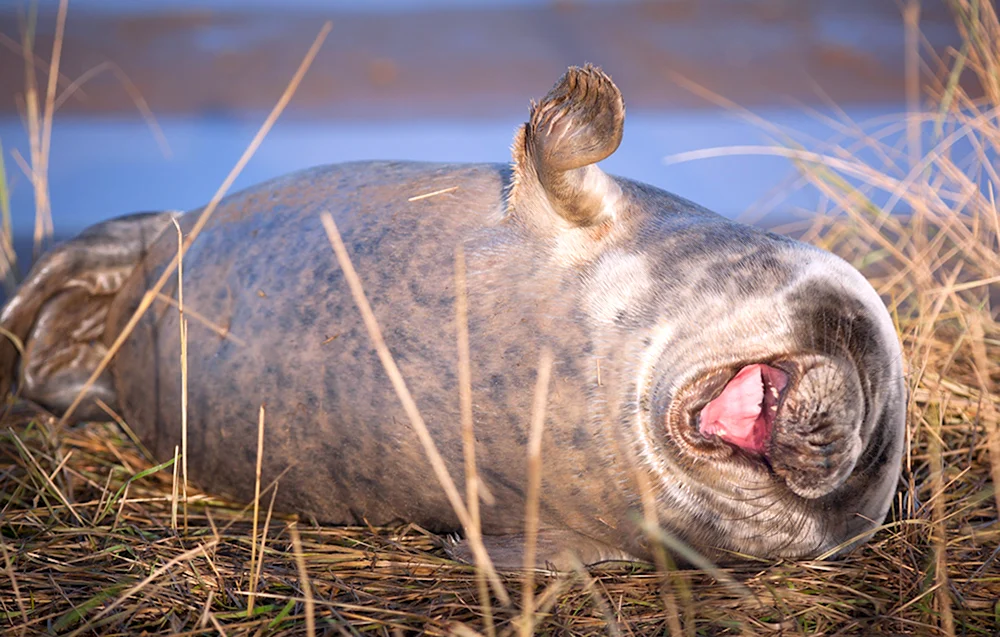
[(649, 302)]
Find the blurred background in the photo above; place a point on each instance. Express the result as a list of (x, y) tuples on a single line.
[(440, 80)]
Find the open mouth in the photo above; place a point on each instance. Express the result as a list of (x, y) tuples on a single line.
[(743, 413)]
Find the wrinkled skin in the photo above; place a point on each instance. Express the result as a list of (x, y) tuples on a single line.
[(649, 303)]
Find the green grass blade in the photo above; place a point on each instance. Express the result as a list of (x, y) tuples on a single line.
[(280, 617), (76, 614), (142, 474)]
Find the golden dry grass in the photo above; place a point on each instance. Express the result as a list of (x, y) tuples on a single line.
[(64, 571), (90, 543)]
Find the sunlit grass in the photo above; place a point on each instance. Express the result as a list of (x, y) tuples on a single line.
[(85, 522)]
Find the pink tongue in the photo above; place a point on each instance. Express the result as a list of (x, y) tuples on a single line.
[(736, 415)]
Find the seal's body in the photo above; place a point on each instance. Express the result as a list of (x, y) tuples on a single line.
[(753, 383)]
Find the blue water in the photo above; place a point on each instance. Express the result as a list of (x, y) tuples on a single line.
[(151, 6), (104, 168)]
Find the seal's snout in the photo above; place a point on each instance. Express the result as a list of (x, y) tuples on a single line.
[(744, 413), (802, 419), (816, 440)]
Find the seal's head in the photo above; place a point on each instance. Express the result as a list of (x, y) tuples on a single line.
[(775, 412), (762, 383)]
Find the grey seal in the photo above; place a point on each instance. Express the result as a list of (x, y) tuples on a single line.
[(753, 381)]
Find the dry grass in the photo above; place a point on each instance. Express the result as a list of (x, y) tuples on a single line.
[(65, 573), (89, 547)]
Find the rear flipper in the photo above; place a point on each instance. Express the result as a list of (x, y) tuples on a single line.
[(59, 314)]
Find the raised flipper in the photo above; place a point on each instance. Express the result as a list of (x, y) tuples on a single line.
[(60, 309), (576, 125), (555, 550)]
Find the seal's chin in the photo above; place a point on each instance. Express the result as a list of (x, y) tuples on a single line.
[(743, 413)]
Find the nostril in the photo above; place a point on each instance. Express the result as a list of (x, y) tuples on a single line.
[(817, 436)]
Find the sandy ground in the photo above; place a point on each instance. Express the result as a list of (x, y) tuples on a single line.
[(484, 62)]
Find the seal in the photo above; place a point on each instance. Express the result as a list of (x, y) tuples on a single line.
[(753, 383)]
